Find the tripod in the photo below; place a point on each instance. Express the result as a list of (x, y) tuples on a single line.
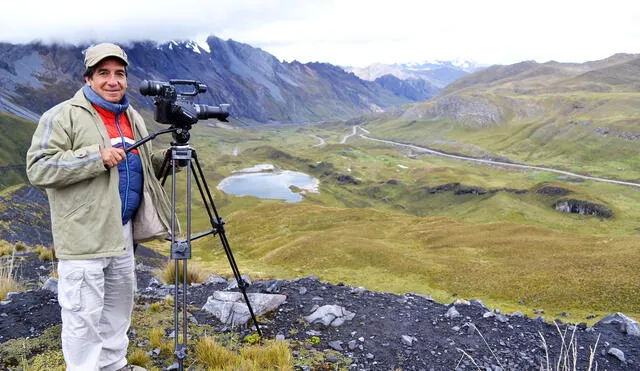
[(183, 155)]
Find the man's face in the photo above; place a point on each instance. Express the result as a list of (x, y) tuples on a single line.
[(109, 80)]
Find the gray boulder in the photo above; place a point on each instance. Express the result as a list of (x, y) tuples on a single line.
[(627, 325), (51, 284), (233, 283), (617, 353), (408, 340), (214, 278), (230, 307), (452, 312), (478, 303), (330, 315)]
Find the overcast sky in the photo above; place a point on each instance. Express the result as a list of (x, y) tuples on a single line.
[(347, 32)]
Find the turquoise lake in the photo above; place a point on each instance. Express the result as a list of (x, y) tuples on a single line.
[(269, 185)]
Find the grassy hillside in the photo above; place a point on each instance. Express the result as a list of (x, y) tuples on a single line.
[(15, 139), (616, 73), (582, 118), (501, 263), (14, 143)]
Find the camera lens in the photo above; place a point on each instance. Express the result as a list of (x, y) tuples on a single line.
[(150, 87), (212, 112)]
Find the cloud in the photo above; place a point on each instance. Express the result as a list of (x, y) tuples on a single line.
[(120, 20), (354, 32)]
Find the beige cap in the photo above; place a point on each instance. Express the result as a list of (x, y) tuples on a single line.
[(96, 53)]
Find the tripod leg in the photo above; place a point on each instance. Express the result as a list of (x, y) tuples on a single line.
[(164, 169), (180, 252), (218, 225)]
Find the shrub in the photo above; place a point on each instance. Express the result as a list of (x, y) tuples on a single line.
[(48, 361), (313, 340), (252, 339)]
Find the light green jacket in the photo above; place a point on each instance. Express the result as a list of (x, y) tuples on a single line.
[(64, 158)]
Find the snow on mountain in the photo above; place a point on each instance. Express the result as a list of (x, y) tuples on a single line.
[(438, 73)]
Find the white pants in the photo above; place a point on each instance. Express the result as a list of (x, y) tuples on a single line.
[(96, 296)]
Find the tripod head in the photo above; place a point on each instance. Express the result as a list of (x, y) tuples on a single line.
[(181, 136)]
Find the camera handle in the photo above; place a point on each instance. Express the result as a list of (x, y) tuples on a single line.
[(181, 248), (150, 137)]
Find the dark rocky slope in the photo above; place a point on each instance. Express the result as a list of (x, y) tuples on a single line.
[(387, 331)]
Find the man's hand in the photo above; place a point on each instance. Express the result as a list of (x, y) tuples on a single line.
[(112, 156)]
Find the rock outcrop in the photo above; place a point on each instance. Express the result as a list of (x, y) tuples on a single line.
[(572, 205)]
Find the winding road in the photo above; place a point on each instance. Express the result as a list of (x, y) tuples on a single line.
[(322, 141), (491, 162)]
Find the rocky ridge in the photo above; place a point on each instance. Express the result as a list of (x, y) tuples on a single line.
[(34, 77)]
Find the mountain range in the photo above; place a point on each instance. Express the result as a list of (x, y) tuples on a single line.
[(259, 88), (540, 113), (438, 74), (578, 116)]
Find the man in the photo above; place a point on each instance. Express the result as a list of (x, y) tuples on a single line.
[(102, 201)]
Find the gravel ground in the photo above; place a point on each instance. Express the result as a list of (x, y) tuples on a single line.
[(387, 332)]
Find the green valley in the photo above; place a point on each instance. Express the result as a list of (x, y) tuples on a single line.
[(392, 220)]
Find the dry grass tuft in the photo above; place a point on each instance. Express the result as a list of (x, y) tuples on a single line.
[(273, 355), (168, 300), (215, 356), (45, 253), (155, 307), (568, 357), (8, 282), (139, 357), (54, 270), (194, 273), (5, 248), (157, 339), (465, 354)]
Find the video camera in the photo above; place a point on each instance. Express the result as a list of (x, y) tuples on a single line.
[(176, 107)]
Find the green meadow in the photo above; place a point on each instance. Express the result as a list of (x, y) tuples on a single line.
[(377, 222)]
